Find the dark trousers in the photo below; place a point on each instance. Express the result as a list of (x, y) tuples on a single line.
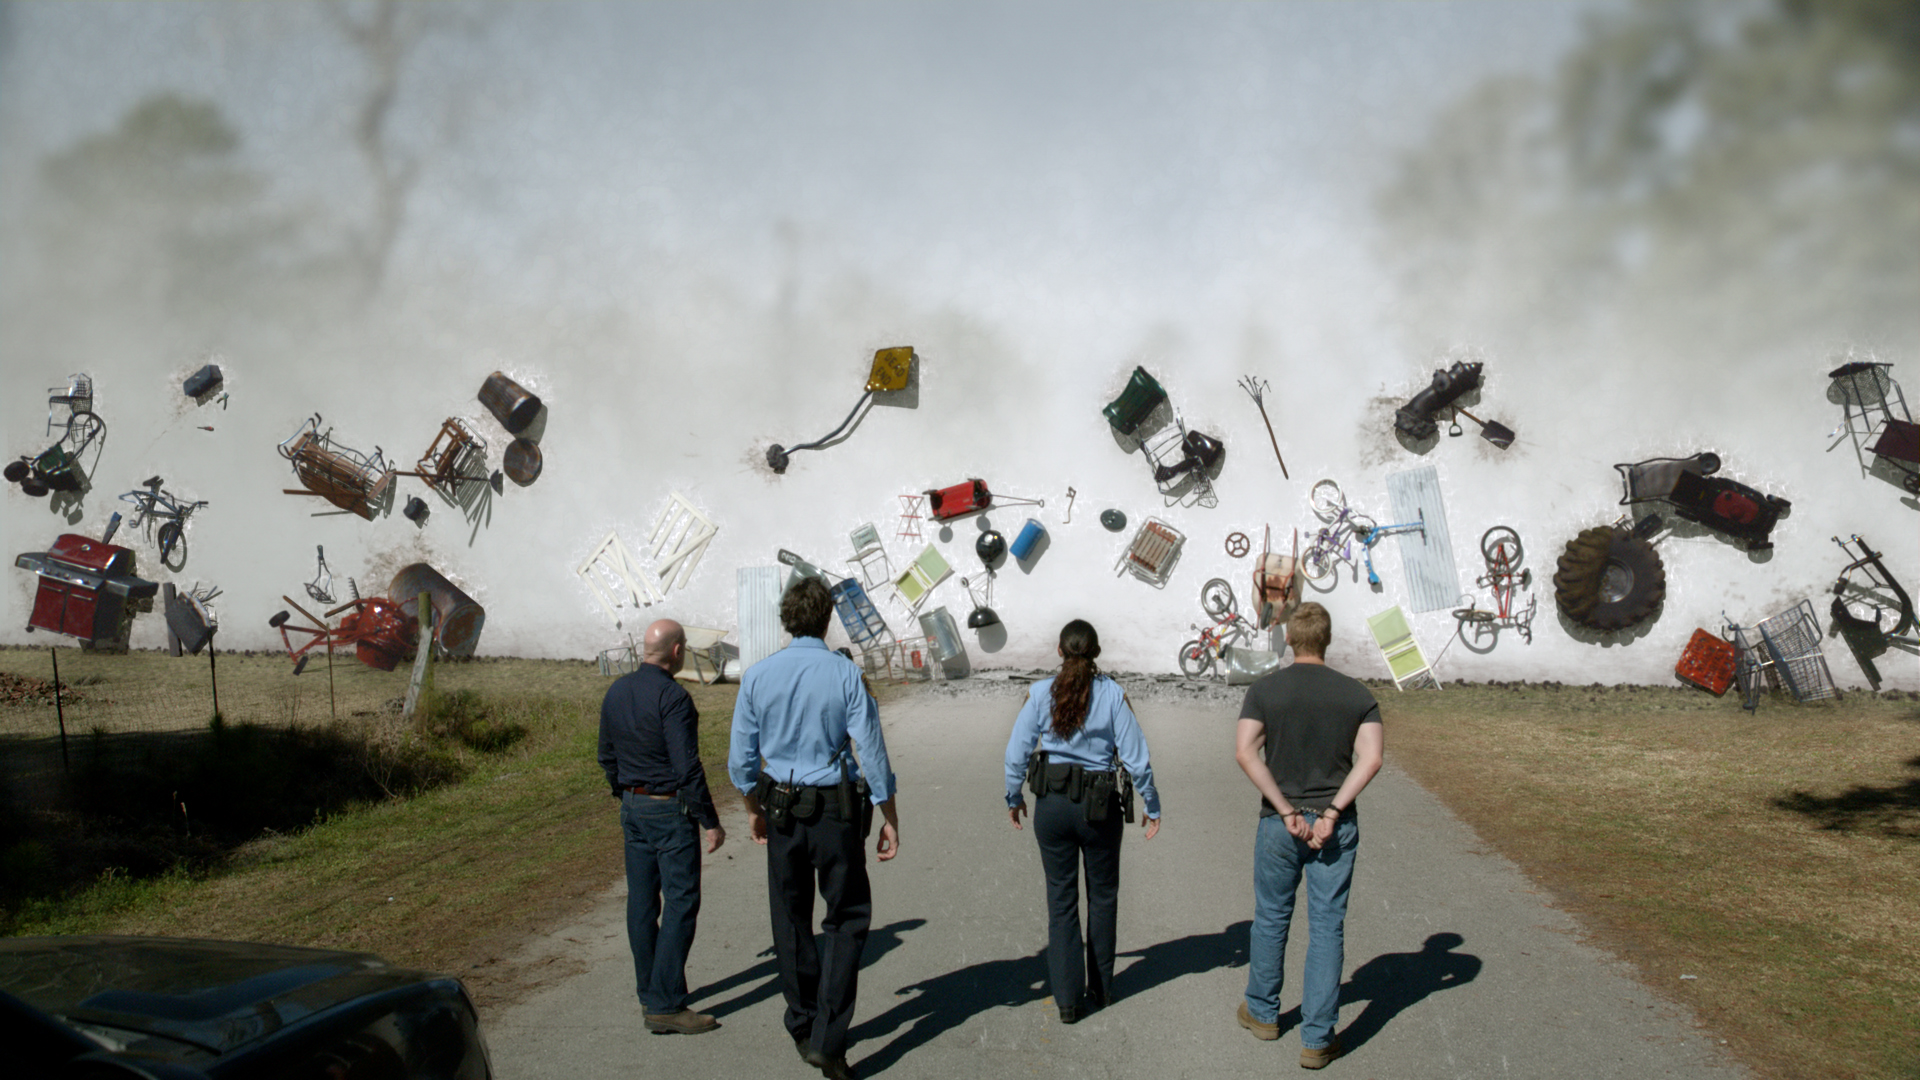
[(663, 897), (819, 979), (1067, 840)]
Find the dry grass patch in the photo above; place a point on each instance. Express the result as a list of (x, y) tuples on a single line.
[(1774, 856)]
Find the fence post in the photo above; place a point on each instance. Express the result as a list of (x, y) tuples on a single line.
[(421, 686), (59, 710)]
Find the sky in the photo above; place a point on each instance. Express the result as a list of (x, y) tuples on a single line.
[(1212, 153)]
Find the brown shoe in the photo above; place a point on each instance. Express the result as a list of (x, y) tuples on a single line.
[(1263, 1032), (684, 1022), (1318, 1059)]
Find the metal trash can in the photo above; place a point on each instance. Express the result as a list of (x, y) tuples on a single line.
[(510, 403), (457, 619)]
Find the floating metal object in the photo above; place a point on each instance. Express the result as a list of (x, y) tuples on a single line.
[(513, 405), (991, 547), (523, 461), (1493, 431), (892, 370), (202, 385), (1114, 520), (457, 619), (416, 510), (1415, 418)]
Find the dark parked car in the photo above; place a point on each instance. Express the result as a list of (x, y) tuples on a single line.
[(166, 1009)]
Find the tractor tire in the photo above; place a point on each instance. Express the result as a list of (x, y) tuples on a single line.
[(1609, 580), (17, 471)]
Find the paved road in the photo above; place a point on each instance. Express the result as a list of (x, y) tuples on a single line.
[(1456, 967)]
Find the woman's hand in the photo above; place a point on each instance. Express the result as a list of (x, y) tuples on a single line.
[(1014, 812)]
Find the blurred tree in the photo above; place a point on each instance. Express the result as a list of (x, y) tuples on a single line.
[(154, 222), (1707, 176)]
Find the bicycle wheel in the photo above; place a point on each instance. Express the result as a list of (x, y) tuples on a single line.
[(1195, 659), (1501, 548), (170, 536), (1317, 563), (1216, 598), (84, 427), (1473, 615), (1327, 500)]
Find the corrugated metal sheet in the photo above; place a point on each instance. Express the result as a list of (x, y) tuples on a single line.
[(1433, 582), (760, 633)]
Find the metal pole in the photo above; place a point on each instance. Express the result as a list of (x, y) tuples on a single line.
[(333, 708), (213, 676), (59, 710)]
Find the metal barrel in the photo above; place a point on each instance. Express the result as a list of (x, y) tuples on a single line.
[(509, 402), (457, 619)]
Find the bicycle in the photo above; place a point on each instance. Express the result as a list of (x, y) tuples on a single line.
[(1500, 546), (1197, 657), (1333, 542), (155, 502)]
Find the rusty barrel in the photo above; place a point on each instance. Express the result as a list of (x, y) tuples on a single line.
[(457, 619), (523, 461), (510, 403)]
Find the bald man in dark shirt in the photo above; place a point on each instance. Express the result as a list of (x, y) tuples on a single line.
[(650, 749)]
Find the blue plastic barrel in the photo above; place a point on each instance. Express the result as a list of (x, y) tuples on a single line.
[(1030, 535)]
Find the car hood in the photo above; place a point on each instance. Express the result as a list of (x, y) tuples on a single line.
[(216, 996)]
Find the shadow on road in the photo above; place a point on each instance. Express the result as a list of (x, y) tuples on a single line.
[(763, 979), (944, 1002), (1393, 982), (1190, 955)]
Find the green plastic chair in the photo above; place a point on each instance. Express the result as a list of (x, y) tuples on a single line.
[(1405, 660), (1142, 395)]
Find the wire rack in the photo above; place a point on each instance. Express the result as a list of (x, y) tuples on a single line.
[(1783, 652)]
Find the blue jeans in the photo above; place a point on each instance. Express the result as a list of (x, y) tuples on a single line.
[(663, 897), (1279, 862)]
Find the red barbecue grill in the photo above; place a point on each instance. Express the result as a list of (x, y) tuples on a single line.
[(87, 588)]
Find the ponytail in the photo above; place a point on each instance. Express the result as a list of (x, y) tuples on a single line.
[(1073, 687)]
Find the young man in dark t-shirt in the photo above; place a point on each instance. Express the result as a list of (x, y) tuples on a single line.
[(1310, 739)]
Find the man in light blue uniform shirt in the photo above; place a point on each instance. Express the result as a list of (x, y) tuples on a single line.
[(801, 716)]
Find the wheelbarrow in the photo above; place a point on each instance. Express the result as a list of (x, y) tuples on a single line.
[(381, 634)]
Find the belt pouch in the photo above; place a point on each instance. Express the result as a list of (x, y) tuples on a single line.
[(1099, 798), (864, 794), (806, 804)]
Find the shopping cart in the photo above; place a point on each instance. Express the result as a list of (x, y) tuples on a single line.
[(1782, 652)]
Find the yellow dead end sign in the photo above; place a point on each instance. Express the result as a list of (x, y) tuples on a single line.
[(892, 369)]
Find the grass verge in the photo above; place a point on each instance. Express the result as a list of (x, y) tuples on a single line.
[(1759, 868), (516, 832)]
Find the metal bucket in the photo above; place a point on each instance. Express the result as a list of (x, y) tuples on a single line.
[(457, 619), (509, 402)]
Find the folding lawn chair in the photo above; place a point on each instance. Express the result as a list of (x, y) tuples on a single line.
[(1405, 660)]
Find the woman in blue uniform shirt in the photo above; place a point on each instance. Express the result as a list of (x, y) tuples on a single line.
[(1080, 720)]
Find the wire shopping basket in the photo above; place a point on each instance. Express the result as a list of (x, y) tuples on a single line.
[(1782, 652)]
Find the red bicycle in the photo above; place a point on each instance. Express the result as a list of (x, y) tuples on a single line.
[(1500, 546), (1197, 657)]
